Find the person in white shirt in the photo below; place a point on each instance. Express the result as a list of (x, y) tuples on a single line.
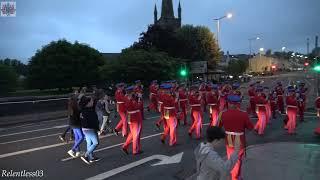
[(210, 165)]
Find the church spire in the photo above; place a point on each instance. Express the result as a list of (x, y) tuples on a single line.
[(167, 9), (155, 14), (179, 11)]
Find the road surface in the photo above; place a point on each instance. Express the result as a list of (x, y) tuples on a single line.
[(36, 148)]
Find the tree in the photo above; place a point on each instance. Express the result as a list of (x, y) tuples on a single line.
[(141, 64), (189, 42), (8, 79), (237, 67), (62, 64), (18, 66), (198, 44)]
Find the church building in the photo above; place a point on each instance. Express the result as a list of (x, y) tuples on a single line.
[(167, 19)]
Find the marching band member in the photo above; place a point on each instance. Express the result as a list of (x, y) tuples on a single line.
[(153, 90), (235, 131), (134, 118), (196, 112), (213, 103), (120, 100), (292, 110), (261, 110), (170, 113)]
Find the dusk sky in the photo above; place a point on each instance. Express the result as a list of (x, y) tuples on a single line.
[(111, 25)]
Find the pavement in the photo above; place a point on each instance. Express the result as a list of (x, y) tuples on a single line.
[(284, 160), (35, 147)]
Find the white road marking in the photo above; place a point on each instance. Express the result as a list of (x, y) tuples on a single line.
[(40, 148), (45, 100), (37, 130), (164, 160), (34, 124), (61, 144), (30, 150), (152, 117), (116, 145), (310, 112), (28, 139), (120, 144)]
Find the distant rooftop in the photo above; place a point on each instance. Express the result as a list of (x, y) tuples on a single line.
[(110, 55)]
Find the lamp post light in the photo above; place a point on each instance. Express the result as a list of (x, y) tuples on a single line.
[(250, 47), (250, 43), (229, 16)]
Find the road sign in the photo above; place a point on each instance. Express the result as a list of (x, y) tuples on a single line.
[(199, 67), (164, 160)]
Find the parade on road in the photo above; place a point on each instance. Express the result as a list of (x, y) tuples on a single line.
[(89, 115)]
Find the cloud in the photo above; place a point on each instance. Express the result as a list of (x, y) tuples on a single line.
[(111, 26)]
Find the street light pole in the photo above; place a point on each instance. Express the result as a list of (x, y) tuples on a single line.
[(250, 47), (229, 15), (218, 30)]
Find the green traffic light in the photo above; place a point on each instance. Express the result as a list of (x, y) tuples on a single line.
[(317, 68), (183, 72)]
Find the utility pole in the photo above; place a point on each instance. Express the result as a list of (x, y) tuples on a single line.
[(308, 44)]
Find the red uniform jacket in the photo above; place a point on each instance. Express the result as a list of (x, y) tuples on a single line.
[(133, 111), (169, 105), (260, 101), (195, 102), (252, 92), (153, 89), (203, 91), (272, 100), (235, 125), (213, 98), (291, 101), (160, 101), (121, 99)]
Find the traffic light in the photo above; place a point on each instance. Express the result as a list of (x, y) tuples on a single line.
[(316, 68), (183, 72), (273, 66), (306, 64)]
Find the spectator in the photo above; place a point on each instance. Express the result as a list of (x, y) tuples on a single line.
[(99, 108), (210, 166), (90, 127), (62, 137), (105, 115), (75, 124)]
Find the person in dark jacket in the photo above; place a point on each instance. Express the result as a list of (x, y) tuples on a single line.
[(62, 137), (75, 124), (90, 127)]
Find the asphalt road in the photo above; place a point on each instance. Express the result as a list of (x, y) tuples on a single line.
[(36, 147)]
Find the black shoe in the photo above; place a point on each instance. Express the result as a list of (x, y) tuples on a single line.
[(62, 138), (86, 160), (163, 141), (190, 135), (125, 151), (116, 132), (95, 159)]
